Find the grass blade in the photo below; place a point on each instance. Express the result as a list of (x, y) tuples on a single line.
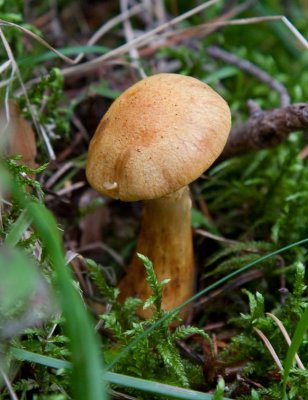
[(67, 51), (87, 372), (17, 229), (119, 379), (126, 350), (86, 358), (297, 340)]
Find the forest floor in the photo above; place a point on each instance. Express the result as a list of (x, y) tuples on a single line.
[(243, 334)]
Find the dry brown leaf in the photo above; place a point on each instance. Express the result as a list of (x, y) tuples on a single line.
[(17, 136)]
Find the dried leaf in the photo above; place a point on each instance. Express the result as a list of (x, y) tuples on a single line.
[(17, 137)]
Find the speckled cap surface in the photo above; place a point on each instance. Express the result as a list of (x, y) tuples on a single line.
[(158, 136)]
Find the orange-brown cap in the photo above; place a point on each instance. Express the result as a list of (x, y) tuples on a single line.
[(157, 137)]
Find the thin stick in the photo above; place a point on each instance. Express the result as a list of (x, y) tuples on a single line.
[(104, 247), (184, 33), (147, 37), (159, 11), (137, 42), (249, 21), (8, 385), (5, 66), (110, 24), (38, 38), (6, 97), (129, 35), (250, 68), (53, 179), (210, 235), (102, 31), (71, 188), (295, 32), (270, 348)]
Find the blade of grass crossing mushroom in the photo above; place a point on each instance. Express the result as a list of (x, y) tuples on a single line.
[(86, 378)]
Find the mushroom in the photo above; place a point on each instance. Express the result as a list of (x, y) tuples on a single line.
[(161, 134)]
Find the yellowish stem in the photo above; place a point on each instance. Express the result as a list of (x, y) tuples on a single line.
[(166, 239)]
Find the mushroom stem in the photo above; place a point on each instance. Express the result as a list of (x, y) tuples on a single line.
[(166, 239)]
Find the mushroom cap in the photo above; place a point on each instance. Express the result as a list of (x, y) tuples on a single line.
[(161, 134)]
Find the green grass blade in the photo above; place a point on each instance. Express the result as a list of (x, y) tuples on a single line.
[(156, 387), (119, 379), (127, 349), (279, 29), (67, 51), (221, 73), (297, 340), (29, 356), (86, 357), (17, 229)]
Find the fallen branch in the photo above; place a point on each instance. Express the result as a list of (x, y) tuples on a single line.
[(265, 128)]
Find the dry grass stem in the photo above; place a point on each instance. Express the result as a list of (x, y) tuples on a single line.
[(160, 11), (129, 35), (210, 235), (247, 66), (104, 247), (287, 338), (53, 328), (239, 281), (269, 348), (16, 70), (137, 42), (53, 179), (37, 38), (146, 38), (242, 21), (122, 17), (5, 66), (70, 188), (8, 385), (98, 34)]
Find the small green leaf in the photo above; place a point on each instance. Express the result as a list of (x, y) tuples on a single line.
[(157, 287), (297, 340), (220, 388), (254, 395)]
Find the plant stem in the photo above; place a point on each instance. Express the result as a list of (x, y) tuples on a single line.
[(166, 239)]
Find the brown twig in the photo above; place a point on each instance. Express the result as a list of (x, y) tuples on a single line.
[(251, 69), (266, 128)]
